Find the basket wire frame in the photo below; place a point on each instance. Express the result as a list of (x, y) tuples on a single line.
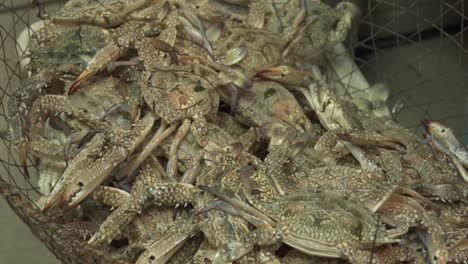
[(439, 55)]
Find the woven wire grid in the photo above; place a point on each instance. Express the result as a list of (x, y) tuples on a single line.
[(419, 49), (19, 190), (18, 17), (430, 45)]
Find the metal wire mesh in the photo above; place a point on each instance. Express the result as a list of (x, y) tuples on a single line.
[(416, 47), (19, 190)]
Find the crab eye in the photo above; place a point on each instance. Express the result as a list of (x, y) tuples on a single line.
[(442, 130)]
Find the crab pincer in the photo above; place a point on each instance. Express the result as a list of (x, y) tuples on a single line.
[(95, 162), (444, 140)]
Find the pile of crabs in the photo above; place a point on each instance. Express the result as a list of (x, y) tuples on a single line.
[(210, 131)]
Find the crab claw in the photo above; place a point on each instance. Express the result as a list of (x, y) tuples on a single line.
[(393, 141), (74, 173), (443, 138), (436, 249), (434, 127), (101, 60), (83, 76), (371, 138), (79, 189), (53, 201), (285, 74), (93, 164), (442, 133)]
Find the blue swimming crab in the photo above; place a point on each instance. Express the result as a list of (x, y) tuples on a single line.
[(149, 191), (91, 166), (262, 188), (83, 117)]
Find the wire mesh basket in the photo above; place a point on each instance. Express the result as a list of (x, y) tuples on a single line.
[(19, 19), (416, 48)]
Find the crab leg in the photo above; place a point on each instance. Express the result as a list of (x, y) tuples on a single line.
[(443, 139), (360, 156), (345, 22), (235, 250), (134, 101), (147, 190), (113, 19), (297, 33), (110, 196), (436, 250), (27, 93), (127, 210), (325, 103), (159, 137), (329, 139), (397, 254), (43, 148), (406, 212), (227, 208), (73, 138), (173, 158), (48, 104), (240, 204), (194, 170), (206, 252), (459, 252), (256, 16), (166, 246), (79, 162), (390, 164), (25, 96), (460, 168)]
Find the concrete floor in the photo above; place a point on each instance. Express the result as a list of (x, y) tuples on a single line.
[(17, 243), (419, 81)]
